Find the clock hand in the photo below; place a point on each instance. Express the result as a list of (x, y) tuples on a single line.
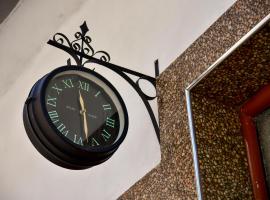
[(74, 109), (83, 111), (85, 126), (93, 116)]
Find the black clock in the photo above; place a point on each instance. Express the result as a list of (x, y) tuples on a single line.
[(75, 117)]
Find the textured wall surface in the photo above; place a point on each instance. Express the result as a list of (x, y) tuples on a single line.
[(174, 177), (215, 104), (221, 150), (238, 77)]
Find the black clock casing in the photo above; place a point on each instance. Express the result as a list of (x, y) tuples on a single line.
[(54, 146)]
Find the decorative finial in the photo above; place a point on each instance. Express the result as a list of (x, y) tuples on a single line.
[(84, 28)]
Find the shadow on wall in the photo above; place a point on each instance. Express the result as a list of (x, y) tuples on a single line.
[(6, 7)]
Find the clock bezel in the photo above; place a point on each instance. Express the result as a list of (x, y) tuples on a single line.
[(55, 142)]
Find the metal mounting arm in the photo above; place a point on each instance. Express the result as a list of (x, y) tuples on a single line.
[(82, 53)]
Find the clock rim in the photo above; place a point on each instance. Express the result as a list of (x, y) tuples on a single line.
[(55, 147), (48, 149)]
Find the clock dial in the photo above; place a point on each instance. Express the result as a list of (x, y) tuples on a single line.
[(75, 117), (83, 109)]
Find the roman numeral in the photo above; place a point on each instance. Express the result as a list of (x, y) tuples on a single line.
[(94, 142), (110, 122), (78, 140), (68, 83), (96, 95), (65, 133), (107, 107), (84, 86), (106, 136), (51, 101), (54, 116), (61, 128), (58, 90)]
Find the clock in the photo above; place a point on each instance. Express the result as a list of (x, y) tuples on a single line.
[(75, 117)]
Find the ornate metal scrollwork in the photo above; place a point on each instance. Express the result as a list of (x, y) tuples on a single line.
[(82, 52), (82, 44)]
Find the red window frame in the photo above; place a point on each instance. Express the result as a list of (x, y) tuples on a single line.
[(254, 106)]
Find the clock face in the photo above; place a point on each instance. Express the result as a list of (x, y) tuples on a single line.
[(83, 109)]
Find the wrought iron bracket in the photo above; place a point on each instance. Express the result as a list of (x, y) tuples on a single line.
[(82, 52)]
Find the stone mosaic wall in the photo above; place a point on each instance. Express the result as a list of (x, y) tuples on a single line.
[(221, 150), (238, 77), (216, 101), (174, 177)]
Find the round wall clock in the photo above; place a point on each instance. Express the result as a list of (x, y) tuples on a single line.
[(75, 117)]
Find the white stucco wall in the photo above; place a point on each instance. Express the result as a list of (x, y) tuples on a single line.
[(135, 33)]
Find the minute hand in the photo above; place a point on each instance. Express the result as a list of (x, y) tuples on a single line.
[(83, 110)]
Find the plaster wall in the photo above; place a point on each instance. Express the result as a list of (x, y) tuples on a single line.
[(135, 33)]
